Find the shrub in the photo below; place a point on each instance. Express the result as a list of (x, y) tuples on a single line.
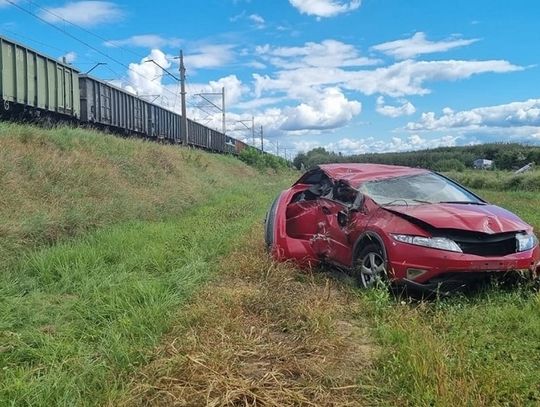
[(261, 161)]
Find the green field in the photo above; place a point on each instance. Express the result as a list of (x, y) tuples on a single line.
[(134, 273)]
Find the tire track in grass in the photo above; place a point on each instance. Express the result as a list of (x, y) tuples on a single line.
[(263, 334)]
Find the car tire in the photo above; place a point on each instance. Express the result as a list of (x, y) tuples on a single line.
[(269, 223), (370, 267)]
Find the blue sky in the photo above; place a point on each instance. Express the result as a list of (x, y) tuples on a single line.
[(353, 76)]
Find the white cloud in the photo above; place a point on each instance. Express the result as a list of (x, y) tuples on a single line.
[(328, 110), (349, 146), (328, 53), (145, 78), (257, 103), (406, 108), (397, 80), (515, 114), (145, 41), (409, 77), (210, 56), (68, 58), (256, 65), (418, 44), (85, 13), (257, 20), (234, 88), (325, 8)]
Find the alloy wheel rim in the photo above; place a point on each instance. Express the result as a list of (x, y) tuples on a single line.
[(372, 269)]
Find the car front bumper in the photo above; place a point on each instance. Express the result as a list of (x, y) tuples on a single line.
[(426, 269)]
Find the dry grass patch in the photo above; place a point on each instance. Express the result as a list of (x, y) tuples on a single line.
[(263, 335)]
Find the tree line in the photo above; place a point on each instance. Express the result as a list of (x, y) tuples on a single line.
[(505, 156)]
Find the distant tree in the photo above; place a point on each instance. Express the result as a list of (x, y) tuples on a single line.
[(450, 164), (506, 156), (300, 161)]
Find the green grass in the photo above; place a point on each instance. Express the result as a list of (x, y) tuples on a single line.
[(101, 240), (61, 183), (481, 350), (498, 180), (77, 319)]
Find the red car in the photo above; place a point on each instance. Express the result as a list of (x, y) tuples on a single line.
[(412, 227)]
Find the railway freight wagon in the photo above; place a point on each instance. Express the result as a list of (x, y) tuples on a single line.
[(217, 141), (198, 135), (164, 124), (204, 137), (106, 106), (240, 146), (34, 85), (230, 145)]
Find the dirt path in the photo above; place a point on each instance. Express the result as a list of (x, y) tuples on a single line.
[(261, 335)]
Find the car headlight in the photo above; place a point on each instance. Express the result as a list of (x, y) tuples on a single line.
[(525, 241), (440, 243)]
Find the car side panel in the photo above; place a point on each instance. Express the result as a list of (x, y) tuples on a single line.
[(286, 247)]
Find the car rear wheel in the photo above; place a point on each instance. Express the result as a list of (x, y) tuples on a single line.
[(370, 266), (269, 224)]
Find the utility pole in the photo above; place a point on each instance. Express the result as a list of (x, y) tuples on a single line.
[(262, 140), (224, 126), (277, 148), (253, 130), (183, 123)]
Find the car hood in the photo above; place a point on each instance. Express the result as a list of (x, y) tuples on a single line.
[(488, 219)]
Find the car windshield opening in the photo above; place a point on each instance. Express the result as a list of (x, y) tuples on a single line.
[(418, 189)]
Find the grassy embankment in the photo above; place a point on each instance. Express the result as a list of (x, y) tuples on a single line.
[(146, 224)]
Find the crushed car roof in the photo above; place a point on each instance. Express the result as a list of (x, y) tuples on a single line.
[(356, 174)]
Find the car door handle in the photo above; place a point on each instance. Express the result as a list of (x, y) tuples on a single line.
[(326, 211)]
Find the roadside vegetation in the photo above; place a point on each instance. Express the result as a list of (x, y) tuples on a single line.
[(102, 240), (498, 180), (255, 158), (64, 182), (505, 156), (481, 350)]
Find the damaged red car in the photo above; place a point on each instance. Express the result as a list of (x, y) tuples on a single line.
[(412, 227)]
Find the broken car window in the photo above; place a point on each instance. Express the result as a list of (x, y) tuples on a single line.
[(416, 190)]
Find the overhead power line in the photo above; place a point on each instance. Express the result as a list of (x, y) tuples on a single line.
[(67, 33), (48, 11)]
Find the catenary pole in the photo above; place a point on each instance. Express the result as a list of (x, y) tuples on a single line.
[(183, 125), (253, 129), (224, 126)]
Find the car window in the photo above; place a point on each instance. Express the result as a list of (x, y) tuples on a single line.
[(344, 193), (417, 189)]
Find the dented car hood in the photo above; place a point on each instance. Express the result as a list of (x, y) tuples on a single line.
[(488, 219)]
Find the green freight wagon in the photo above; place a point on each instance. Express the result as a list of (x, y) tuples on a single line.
[(34, 85)]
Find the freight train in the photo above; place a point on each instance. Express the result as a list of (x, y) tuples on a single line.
[(39, 88)]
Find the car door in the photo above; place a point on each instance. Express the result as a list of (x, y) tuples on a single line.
[(331, 240)]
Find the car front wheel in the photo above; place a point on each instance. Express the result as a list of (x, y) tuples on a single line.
[(370, 267)]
